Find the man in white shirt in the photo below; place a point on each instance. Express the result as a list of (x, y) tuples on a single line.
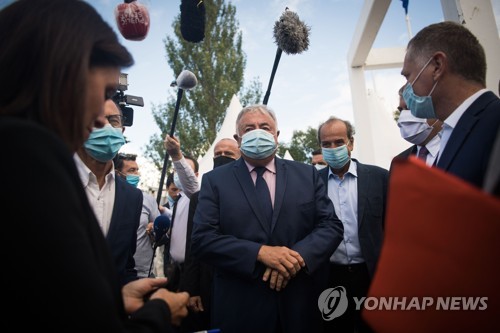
[(185, 179), (116, 204)]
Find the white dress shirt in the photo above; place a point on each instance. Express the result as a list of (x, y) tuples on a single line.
[(451, 122), (101, 200), (179, 229)]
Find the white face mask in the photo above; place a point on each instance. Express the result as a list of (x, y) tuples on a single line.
[(414, 130), (319, 166)]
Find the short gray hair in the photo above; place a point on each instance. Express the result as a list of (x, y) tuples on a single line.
[(262, 108)]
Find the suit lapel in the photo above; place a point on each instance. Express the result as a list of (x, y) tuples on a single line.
[(248, 187), (119, 198), (462, 130), (279, 194), (363, 187)]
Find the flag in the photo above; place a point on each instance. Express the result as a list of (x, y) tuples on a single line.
[(405, 6)]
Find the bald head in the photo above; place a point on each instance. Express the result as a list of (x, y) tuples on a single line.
[(227, 147)]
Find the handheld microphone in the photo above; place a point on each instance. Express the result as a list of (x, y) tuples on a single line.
[(292, 36), (161, 226), (193, 20)]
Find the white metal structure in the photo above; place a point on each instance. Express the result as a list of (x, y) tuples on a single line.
[(376, 146)]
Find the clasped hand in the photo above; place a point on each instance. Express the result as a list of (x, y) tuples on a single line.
[(282, 265), (133, 294)]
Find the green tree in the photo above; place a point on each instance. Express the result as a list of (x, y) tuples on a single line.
[(218, 63), (301, 146)]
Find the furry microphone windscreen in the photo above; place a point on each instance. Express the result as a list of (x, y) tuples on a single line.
[(193, 20), (186, 80), (291, 34)]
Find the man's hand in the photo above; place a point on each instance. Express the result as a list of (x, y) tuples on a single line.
[(286, 261), (195, 304), (133, 292), (173, 147), (276, 280), (177, 302)]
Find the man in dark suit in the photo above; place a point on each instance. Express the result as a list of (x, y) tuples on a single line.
[(358, 192), (447, 83), (117, 205), (267, 227), (197, 276)]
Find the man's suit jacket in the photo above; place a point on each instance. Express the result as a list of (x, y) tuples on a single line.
[(492, 177), (70, 262), (467, 152), (372, 194), (404, 155), (122, 233), (196, 279), (229, 230)]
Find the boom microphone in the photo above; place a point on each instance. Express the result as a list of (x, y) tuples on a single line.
[(292, 36), (186, 80), (193, 20)]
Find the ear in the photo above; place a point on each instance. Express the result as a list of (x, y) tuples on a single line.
[(238, 139), (277, 133), (440, 63), (351, 144)]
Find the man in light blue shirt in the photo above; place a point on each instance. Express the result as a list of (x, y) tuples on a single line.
[(358, 192)]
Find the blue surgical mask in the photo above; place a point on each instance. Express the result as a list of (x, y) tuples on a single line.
[(420, 106), (171, 201), (104, 143), (258, 144), (177, 182), (133, 179), (337, 158)]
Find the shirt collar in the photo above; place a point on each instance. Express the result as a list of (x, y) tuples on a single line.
[(269, 166), (353, 170), (86, 174), (433, 145), (455, 116)]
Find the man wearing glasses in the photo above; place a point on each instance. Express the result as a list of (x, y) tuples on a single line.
[(116, 204)]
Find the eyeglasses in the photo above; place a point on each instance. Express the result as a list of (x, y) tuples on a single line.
[(116, 120)]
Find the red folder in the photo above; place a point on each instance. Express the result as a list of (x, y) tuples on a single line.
[(442, 243)]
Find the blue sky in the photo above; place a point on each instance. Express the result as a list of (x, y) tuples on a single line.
[(308, 87)]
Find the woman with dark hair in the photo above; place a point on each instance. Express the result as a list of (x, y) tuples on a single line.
[(59, 62)]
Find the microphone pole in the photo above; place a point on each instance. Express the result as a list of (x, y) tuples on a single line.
[(275, 67), (165, 160), (292, 36), (185, 81)]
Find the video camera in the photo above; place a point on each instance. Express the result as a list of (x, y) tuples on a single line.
[(125, 100)]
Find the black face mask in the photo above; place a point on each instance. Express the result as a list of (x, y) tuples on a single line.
[(221, 160)]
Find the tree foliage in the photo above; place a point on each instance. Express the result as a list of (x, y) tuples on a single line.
[(301, 146), (218, 63)]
